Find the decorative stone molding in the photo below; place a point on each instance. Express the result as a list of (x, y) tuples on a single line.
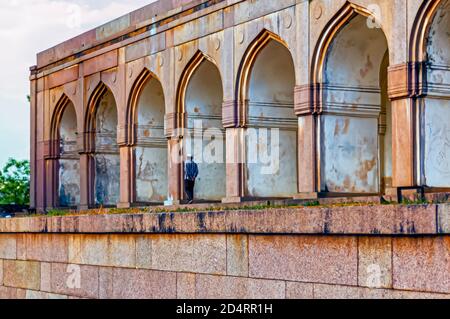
[(173, 122), (407, 80), (229, 114), (307, 99), (122, 136), (51, 149)]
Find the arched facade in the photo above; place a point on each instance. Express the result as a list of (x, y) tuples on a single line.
[(351, 63), (145, 119), (64, 133), (101, 144), (433, 102), (266, 94), (200, 98), (357, 108)]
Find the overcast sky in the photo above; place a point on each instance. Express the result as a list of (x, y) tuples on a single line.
[(31, 26)]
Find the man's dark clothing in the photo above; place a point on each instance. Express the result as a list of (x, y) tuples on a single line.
[(190, 175), (189, 189)]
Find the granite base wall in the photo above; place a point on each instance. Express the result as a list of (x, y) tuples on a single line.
[(222, 264)]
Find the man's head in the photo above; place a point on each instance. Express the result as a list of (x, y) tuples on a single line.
[(190, 157)]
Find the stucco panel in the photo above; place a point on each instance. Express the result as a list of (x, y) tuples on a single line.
[(349, 154), (437, 143)]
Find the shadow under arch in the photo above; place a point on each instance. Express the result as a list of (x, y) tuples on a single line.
[(193, 65), (199, 124), (351, 106), (245, 68), (333, 27), (147, 141), (132, 105), (57, 115), (65, 176), (420, 30), (90, 143), (264, 108)]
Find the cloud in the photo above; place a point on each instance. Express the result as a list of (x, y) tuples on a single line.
[(26, 28)]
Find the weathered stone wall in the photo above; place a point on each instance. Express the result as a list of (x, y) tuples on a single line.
[(359, 90), (347, 252)]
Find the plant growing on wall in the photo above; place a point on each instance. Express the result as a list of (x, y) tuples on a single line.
[(15, 183)]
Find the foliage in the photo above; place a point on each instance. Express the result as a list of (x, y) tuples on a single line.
[(15, 183)]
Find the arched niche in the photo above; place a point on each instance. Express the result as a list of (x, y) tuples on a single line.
[(271, 134), (435, 108), (69, 159), (204, 134), (151, 157), (106, 156), (355, 131)]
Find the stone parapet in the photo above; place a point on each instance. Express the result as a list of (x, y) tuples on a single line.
[(347, 220)]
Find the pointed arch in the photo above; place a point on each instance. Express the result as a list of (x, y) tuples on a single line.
[(345, 15), (57, 116), (90, 122), (245, 68), (132, 104), (198, 58), (420, 30)]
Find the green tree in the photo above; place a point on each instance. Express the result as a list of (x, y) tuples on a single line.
[(15, 183)]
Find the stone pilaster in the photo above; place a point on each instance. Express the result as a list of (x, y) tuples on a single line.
[(306, 99), (175, 169), (126, 176), (406, 84), (235, 150)]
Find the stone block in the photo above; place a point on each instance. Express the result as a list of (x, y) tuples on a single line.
[(21, 246), (375, 262), (144, 252), (7, 246), (101, 63), (143, 284), (444, 219), (46, 247), (46, 277), (237, 255), (297, 290), (12, 293), (75, 280), (222, 287), (304, 259), (22, 274), (190, 253), (422, 264), (105, 283), (323, 291), (186, 286), (39, 295), (103, 250), (1, 272)]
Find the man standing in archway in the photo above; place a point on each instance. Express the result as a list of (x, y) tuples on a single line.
[(190, 176)]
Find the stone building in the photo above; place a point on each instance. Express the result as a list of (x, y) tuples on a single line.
[(356, 92)]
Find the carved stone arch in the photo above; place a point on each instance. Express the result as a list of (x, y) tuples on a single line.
[(346, 91), (420, 30), (418, 55), (333, 27), (63, 154), (132, 103), (198, 58), (244, 72), (91, 116), (56, 117)]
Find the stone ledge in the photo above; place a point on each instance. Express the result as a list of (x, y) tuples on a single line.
[(349, 220)]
